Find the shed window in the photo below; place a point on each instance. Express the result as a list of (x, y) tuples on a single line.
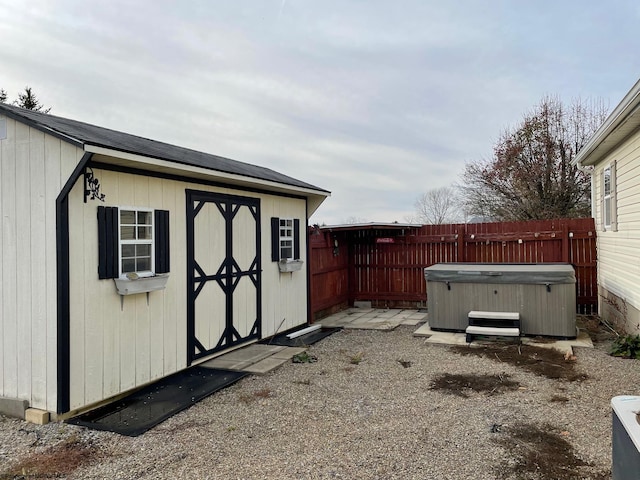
[(136, 242), (132, 241), (285, 239)]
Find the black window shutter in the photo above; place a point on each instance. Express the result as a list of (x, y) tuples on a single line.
[(161, 219), (107, 242), (275, 239), (296, 239)]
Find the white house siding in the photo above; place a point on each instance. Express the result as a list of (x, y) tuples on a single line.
[(117, 347), (33, 168), (618, 253)]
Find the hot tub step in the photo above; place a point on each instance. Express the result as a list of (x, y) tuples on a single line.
[(473, 330), (500, 324)]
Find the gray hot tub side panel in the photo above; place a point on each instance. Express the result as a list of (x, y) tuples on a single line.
[(546, 307)]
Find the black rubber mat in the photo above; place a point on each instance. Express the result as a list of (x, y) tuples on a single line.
[(308, 339), (146, 408)]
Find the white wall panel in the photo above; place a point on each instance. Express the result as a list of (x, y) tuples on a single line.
[(38, 259), (78, 323), (169, 318), (52, 152), (109, 302), (30, 179), (3, 148), (157, 306), (619, 252), (149, 341), (9, 263), (23, 254)]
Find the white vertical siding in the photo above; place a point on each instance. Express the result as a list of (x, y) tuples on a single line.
[(111, 344), (156, 309), (149, 341), (38, 285), (619, 251), (282, 294), (9, 263), (33, 166), (174, 332), (23, 257), (53, 184), (77, 286)]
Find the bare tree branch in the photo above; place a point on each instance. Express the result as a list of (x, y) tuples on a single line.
[(531, 175), (437, 206)]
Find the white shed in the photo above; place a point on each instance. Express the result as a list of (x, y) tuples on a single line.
[(124, 259), (612, 156)]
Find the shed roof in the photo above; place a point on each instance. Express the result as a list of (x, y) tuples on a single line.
[(370, 226), (84, 134), (622, 122)]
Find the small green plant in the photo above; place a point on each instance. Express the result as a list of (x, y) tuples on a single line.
[(627, 346), (304, 357), (357, 358)]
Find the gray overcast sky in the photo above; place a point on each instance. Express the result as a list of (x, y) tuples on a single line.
[(376, 101)]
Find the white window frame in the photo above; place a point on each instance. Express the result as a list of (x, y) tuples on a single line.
[(285, 234), (606, 197), (149, 241)]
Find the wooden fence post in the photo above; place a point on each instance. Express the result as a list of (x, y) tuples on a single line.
[(566, 243), (460, 246)]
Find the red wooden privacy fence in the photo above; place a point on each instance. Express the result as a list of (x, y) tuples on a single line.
[(385, 264)]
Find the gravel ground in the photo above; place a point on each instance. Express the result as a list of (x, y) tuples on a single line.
[(366, 409)]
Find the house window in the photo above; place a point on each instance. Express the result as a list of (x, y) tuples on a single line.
[(286, 238), (608, 198), (136, 242), (606, 185)]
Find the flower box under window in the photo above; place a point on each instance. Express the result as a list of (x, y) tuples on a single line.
[(289, 265), (127, 286)]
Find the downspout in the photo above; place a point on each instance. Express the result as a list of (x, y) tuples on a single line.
[(308, 253), (63, 299)]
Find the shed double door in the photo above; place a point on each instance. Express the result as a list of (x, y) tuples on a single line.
[(223, 272)]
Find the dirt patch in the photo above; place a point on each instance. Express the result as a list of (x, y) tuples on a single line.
[(55, 462), (460, 385), (544, 362), (543, 340), (405, 363), (599, 332), (540, 452)]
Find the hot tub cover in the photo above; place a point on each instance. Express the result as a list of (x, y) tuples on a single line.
[(526, 273)]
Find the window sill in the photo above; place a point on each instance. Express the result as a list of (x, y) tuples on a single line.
[(142, 284), (290, 265)]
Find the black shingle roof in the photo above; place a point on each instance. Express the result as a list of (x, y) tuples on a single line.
[(80, 133)]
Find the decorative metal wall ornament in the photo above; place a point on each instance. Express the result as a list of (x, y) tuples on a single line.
[(91, 186)]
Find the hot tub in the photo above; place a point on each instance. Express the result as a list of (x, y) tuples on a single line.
[(543, 294)]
